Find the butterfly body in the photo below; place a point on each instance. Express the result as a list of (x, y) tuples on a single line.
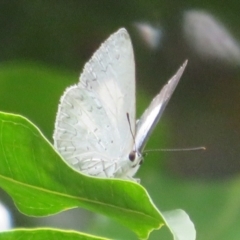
[(92, 132)]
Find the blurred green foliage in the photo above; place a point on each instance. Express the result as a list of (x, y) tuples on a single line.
[(43, 47), (33, 90)]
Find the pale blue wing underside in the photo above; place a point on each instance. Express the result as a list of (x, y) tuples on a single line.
[(152, 114), (91, 130)]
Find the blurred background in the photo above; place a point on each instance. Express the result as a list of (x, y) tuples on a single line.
[(43, 48)]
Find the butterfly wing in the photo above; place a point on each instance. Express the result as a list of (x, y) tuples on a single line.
[(91, 130), (152, 114)]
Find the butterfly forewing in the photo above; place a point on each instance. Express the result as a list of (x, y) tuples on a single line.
[(110, 74), (91, 130), (152, 114)]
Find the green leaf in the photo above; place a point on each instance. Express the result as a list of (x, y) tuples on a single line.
[(41, 183), (180, 225), (46, 233)]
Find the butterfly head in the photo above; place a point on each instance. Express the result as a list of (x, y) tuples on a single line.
[(135, 157)]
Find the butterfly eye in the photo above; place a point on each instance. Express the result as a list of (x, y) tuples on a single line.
[(132, 156)]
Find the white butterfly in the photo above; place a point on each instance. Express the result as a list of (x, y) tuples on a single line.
[(92, 132)]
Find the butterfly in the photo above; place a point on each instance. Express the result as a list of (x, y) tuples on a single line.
[(96, 131)]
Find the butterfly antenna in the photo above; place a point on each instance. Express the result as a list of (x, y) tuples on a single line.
[(177, 149), (128, 118)]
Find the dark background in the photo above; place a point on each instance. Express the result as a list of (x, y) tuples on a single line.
[(43, 48)]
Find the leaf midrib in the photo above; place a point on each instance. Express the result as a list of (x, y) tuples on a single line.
[(77, 198)]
